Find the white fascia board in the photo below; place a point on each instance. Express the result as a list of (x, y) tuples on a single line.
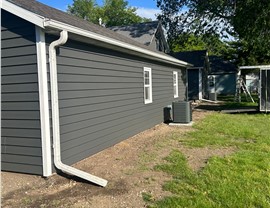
[(44, 102), (255, 67), (62, 26), (23, 13)]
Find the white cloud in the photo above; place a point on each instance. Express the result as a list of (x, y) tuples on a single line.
[(147, 12)]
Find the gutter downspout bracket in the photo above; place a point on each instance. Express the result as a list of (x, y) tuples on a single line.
[(55, 117)]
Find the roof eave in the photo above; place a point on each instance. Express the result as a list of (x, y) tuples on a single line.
[(23, 13), (44, 23), (53, 24)]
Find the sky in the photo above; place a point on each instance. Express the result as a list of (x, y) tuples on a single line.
[(145, 8)]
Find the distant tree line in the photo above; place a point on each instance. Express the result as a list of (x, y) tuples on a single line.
[(247, 22), (111, 13)]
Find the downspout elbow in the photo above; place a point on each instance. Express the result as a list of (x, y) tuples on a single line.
[(55, 117)]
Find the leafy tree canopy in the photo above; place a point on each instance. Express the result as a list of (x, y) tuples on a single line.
[(112, 13), (246, 20), (190, 42)]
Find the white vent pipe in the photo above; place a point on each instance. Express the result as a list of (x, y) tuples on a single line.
[(55, 117)]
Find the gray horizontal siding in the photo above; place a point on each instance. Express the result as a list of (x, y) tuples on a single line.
[(225, 84), (22, 168), (101, 98), (20, 135), (21, 69)]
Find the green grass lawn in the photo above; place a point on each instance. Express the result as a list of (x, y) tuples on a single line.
[(239, 180)]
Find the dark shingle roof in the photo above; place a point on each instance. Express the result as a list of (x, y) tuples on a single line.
[(219, 65), (142, 32), (54, 14), (197, 58), (108, 38)]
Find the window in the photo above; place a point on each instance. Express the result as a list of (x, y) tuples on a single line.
[(175, 84), (147, 85)]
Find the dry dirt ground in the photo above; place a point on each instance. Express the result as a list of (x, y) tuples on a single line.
[(128, 166)]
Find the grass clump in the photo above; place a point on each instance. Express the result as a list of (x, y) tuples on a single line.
[(238, 180)]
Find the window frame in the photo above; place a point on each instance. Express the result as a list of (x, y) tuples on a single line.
[(175, 84), (149, 86)]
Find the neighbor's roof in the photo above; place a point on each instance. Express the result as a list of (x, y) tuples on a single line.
[(55, 14), (196, 58), (48, 17), (142, 32), (219, 65)]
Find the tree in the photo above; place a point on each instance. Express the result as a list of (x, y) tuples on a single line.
[(117, 13), (112, 13), (246, 20), (85, 9), (189, 42)]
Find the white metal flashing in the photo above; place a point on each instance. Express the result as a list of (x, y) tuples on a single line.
[(62, 26), (23, 13), (44, 102)]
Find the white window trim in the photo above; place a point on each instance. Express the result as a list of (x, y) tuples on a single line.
[(175, 95), (150, 100)]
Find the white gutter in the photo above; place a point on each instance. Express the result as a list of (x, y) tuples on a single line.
[(42, 22), (55, 117), (72, 29)]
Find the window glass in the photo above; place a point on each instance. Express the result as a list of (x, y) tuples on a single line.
[(147, 72), (175, 84)]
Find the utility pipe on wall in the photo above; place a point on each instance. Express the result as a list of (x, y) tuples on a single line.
[(55, 117)]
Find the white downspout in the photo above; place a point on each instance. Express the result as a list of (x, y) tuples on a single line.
[(55, 117)]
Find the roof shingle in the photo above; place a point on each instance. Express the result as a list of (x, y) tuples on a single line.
[(55, 14), (142, 32)]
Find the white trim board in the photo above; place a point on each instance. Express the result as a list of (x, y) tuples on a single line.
[(23, 13), (255, 67), (44, 102), (85, 33), (43, 22)]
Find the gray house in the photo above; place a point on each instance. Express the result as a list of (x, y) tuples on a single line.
[(197, 74), (71, 89), (148, 33), (208, 75)]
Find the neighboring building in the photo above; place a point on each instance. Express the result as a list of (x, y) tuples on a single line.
[(252, 82), (225, 74), (148, 33), (222, 73), (197, 74), (68, 82)]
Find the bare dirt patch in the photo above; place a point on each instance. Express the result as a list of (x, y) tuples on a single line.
[(128, 166)]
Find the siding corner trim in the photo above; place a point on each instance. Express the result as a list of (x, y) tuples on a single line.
[(43, 102)]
